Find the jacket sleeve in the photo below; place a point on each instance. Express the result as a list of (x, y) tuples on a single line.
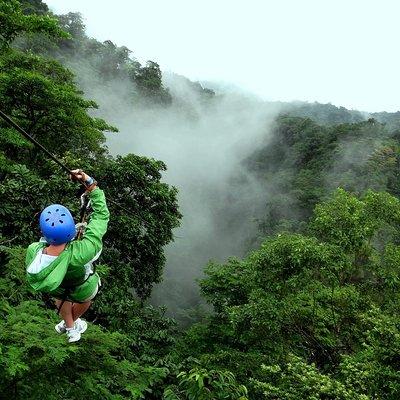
[(84, 250)]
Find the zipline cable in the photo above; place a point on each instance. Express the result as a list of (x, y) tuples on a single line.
[(12, 123), (35, 142)]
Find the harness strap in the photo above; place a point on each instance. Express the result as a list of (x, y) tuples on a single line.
[(63, 300)]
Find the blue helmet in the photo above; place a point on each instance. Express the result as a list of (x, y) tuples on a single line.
[(57, 224)]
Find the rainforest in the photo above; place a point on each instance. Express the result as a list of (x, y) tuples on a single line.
[(253, 248)]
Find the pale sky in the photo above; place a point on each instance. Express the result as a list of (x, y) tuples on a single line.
[(343, 52)]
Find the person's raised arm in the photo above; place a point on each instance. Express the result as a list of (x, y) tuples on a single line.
[(86, 249)]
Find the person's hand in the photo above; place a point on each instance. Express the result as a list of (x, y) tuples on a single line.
[(79, 175), (88, 181)]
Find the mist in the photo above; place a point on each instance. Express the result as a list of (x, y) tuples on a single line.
[(354, 158), (203, 141)]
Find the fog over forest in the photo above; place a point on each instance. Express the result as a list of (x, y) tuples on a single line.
[(204, 143)]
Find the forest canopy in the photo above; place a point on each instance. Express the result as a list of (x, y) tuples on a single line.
[(312, 311)]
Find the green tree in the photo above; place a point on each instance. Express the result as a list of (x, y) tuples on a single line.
[(201, 384), (34, 7), (309, 296), (297, 380), (148, 80), (14, 22), (41, 95)]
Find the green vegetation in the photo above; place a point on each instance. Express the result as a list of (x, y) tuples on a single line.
[(303, 162), (40, 94), (311, 313), (311, 305)]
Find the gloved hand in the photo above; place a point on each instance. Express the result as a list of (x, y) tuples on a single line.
[(81, 226)]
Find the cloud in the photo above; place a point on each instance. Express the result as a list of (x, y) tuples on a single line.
[(203, 140)]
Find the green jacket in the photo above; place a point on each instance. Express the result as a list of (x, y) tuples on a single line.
[(69, 274)]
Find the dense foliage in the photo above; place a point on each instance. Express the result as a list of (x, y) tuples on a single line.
[(312, 313), (41, 95), (311, 307), (302, 162)]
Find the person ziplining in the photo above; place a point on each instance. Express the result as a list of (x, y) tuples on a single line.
[(61, 263), (62, 266)]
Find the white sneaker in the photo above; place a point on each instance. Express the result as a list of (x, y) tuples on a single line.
[(80, 325), (73, 335), (61, 328)]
